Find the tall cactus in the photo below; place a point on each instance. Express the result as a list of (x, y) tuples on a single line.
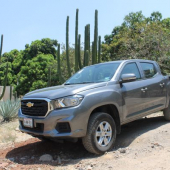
[(67, 46), (1, 47), (88, 38), (59, 66), (93, 55), (86, 44), (99, 50), (95, 36), (6, 73), (79, 51), (76, 41), (10, 94), (49, 76)]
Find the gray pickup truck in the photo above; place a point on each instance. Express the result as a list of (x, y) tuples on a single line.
[(94, 103)]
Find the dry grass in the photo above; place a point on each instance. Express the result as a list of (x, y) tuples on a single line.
[(7, 131), (10, 134)]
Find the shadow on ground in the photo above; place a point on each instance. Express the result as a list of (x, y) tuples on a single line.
[(30, 153)]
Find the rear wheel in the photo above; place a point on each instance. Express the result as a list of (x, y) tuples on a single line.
[(101, 133), (167, 113)]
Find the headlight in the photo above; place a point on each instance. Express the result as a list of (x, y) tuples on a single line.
[(67, 101)]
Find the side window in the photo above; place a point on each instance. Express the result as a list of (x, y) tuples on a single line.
[(148, 69), (131, 68)]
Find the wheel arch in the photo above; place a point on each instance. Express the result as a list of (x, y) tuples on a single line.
[(112, 111)]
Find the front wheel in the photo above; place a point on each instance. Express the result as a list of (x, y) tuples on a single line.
[(101, 133)]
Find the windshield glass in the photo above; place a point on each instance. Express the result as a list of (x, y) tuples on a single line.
[(94, 74)]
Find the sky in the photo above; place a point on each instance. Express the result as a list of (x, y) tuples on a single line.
[(23, 21)]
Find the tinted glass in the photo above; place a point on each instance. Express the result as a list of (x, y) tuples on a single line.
[(148, 69), (94, 74), (131, 68)]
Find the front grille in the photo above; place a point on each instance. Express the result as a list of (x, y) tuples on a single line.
[(63, 127), (39, 108), (39, 127)]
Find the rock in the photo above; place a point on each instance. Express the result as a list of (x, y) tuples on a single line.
[(11, 159), (13, 166), (46, 158), (32, 157), (17, 129), (23, 158), (59, 160), (122, 150), (3, 165), (89, 168)]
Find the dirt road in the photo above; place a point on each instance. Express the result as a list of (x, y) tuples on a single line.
[(143, 145)]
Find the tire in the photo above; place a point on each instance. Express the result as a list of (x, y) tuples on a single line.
[(96, 133), (166, 113)]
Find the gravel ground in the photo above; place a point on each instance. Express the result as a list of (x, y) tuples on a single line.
[(143, 144)]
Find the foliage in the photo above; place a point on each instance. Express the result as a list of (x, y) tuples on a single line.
[(28, 69), (9, 109), (140, 37), (40, 64), (34, 75)]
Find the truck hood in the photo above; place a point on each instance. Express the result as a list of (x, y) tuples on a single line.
[(62, 91)]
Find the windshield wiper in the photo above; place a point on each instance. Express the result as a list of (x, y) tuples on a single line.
[(79, 83)]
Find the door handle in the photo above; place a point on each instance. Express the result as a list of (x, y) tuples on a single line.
[(144, 89), (162, 84)]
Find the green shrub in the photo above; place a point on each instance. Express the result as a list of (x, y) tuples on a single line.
[(9, 109)]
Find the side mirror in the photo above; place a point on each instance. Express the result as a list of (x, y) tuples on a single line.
[(127, 78)]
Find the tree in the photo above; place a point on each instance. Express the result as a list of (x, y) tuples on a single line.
[(34, 75), (139, 37)]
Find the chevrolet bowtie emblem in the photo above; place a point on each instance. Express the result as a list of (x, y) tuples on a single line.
[(29, 104)]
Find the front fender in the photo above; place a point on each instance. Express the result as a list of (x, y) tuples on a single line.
[(94, 98)]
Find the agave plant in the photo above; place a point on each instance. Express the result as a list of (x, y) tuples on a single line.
[(9, 109)]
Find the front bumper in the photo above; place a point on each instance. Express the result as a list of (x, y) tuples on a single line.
[(75, 117)]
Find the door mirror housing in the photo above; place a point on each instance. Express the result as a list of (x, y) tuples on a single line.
[(127, 78)]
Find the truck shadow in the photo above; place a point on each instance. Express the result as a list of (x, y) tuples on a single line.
[(134, 129), (71, 153)]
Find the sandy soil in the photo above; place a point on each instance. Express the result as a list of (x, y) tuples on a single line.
[(143, 145)]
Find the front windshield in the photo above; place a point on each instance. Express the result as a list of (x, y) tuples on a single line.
[(94, 74)]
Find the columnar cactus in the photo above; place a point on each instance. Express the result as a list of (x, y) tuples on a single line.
[(93, 55), (1, 47), (99, 49), (10, 94), (86, 44), (76, 41), (49, 76), (58, 61), (95, 36), (6, 73), (79, 51), (67, 46)]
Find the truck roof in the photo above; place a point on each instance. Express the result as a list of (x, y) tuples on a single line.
[(120, 61)]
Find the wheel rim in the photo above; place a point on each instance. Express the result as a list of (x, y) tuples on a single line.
[(103, 134)]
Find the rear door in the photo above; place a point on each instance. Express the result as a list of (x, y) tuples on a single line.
[(134, 100), (155, 85)]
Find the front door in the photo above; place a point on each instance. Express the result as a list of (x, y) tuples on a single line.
[(134, 99)]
